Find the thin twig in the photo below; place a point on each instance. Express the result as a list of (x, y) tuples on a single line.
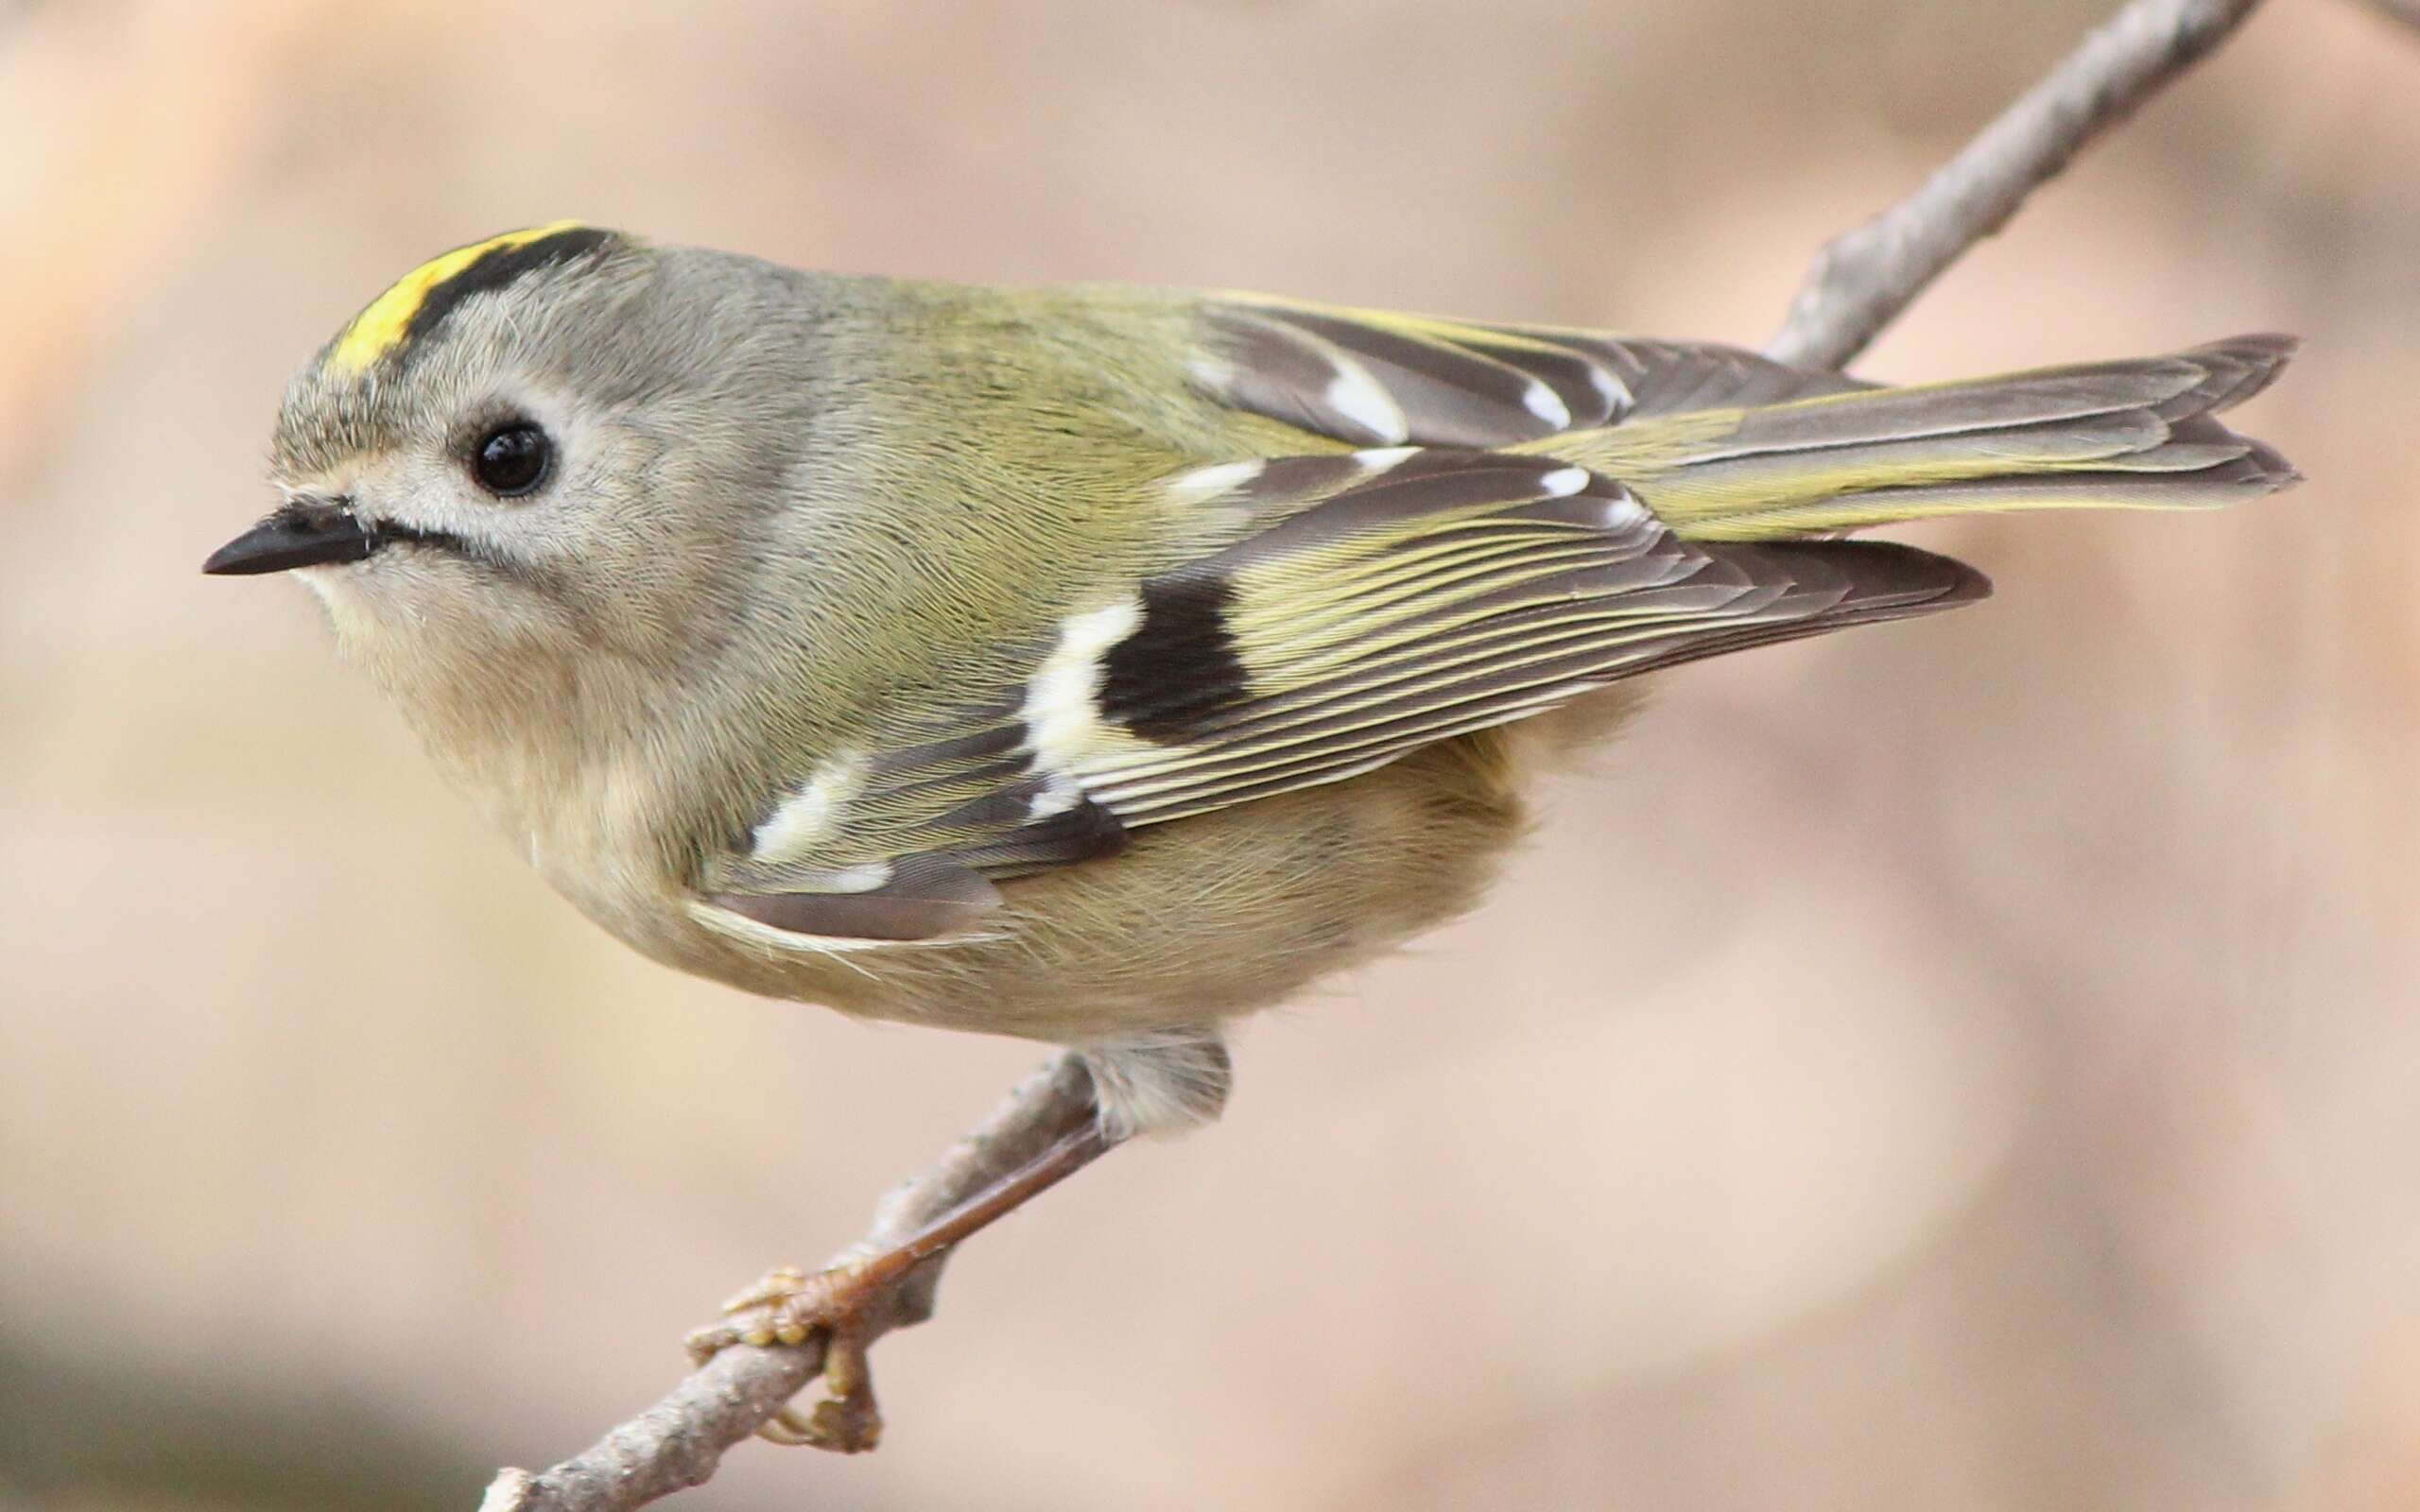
[(2406, 12), (1865, 277), (678, 1442), (1858, 283)]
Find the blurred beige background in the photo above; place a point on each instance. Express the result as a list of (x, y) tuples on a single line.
[(1973, 1064)]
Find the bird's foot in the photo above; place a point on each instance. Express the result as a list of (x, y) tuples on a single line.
[(790, 1306), (885, 1284)]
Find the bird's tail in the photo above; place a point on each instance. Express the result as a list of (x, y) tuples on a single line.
[(2140, 434)]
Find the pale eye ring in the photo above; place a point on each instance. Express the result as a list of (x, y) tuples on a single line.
[(512, 460)]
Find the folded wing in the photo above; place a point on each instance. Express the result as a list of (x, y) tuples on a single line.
[(1406, 594)]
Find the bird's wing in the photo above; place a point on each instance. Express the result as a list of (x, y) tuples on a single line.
[(1376, 378), (1406, 594)]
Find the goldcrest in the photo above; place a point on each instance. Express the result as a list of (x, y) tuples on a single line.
[(1094, 664)]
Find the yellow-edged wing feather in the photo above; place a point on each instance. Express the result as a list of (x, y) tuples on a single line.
[(1405, 595), (1527, 515)]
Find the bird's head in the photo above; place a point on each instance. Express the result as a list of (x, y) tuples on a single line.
[(532, 461)]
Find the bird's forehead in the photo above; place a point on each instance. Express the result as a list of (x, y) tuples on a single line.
[(395, 360), (401, 321)]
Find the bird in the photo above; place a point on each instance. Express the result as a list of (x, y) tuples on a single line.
[(1093, 664)]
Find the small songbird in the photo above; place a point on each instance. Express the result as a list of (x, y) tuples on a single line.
[(1094, 664)]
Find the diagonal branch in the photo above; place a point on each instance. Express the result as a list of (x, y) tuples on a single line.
[(1864, 277), (678, 1442), (2406, 12), (1859, 284)]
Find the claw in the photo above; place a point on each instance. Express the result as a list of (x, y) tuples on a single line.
[(787, 1306), (847, 1421), (705, 1342), (788, 1428), (775, 1286), (874, 1288)]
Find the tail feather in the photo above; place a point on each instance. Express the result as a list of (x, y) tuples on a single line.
[(2239, 367), (2138, 434), (2237, 480)]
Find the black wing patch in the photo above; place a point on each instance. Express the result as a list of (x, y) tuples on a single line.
[(1182, 663)]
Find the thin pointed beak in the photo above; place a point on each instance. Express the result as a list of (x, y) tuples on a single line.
[(305, 533)]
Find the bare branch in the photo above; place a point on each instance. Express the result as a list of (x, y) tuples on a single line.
[(1864, 277), (2406, 12), (678, 1442), (1862, 280)]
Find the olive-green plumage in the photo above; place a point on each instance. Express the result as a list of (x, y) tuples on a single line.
[(1094, 664)]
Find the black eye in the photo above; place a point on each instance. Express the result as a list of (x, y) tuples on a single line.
[(512, 459)]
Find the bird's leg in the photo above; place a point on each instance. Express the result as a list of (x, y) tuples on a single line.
[(874, 1288)]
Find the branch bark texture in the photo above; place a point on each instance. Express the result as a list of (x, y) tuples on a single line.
[(2406, 12), (1859, 283), (678, 1442), (1864, 277)]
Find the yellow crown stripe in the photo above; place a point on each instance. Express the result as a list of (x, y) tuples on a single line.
[(379, 329)]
